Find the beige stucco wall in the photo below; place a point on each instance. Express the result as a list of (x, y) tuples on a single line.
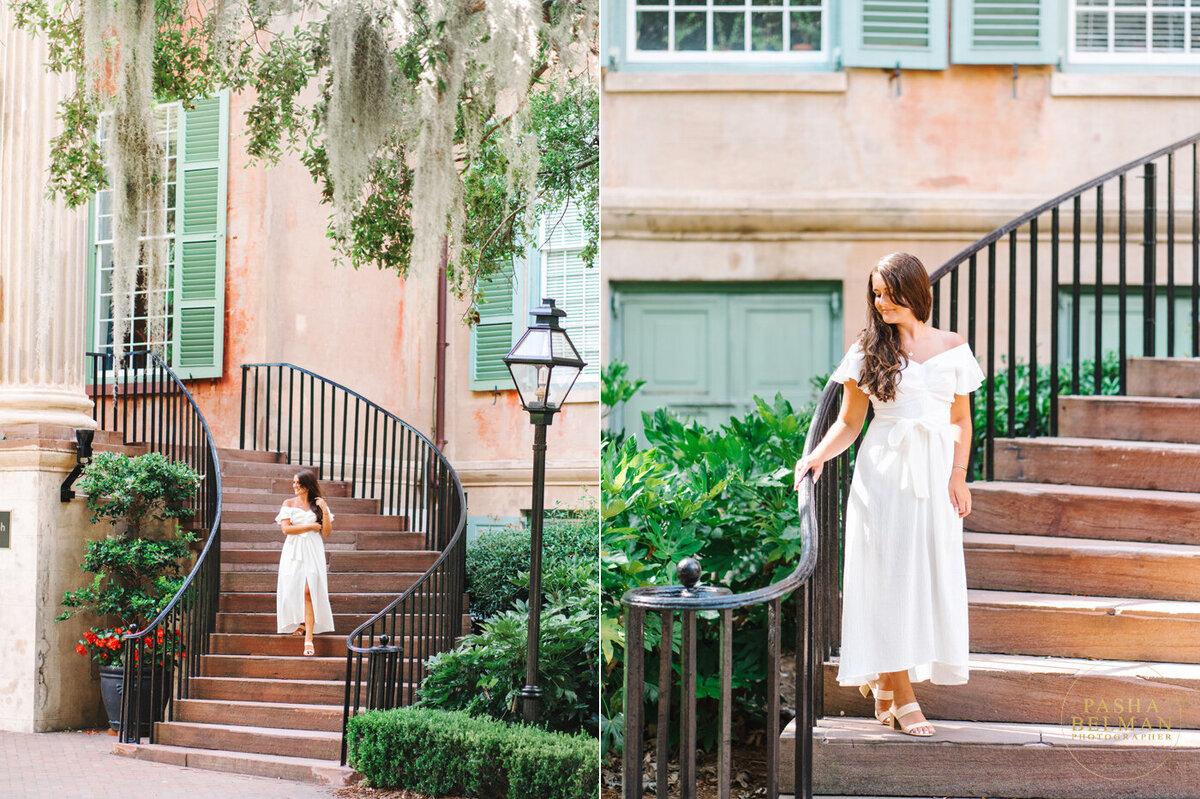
[(814, 176), (376, 334), (44, 684)]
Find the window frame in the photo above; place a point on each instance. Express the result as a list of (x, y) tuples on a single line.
[(1137, 60)]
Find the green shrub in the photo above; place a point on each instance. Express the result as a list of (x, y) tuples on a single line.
[(484, 674), (439, 752), (497, 558)]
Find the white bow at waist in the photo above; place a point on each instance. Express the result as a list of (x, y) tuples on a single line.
[(913, 442)]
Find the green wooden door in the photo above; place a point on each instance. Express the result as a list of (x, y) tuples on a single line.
[(706, 352)]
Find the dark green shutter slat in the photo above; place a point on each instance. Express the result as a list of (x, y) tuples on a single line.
[(493, 335), (1004, 32), (884, 33)]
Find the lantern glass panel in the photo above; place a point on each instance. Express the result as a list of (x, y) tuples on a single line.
[(562, 348), (561, 380), (534, 345)]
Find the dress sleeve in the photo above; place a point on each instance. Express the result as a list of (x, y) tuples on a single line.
[(968, 375), (851, 366), (285, 513)]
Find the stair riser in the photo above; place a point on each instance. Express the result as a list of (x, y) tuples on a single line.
[(346, 521), (280, 485), (338, 561), (1162, 521), (326, 645), (1131, 419), (341, 603), (241, 741), (304, 669), (247, 456), (1025, 697), (269, 503), (1084, 634), (265, 538), (362, 582), (1143, 576), (281, 717), (283, 691), (313, 771), (1145, 468), (343, 623), (1163, 377), (275, 471)]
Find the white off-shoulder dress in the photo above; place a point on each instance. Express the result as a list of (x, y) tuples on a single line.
[(302, 559), (904, 585)]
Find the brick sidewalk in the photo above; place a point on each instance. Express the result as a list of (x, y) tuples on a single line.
[(76, 765)]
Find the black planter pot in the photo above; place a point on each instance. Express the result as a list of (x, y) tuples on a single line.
[(112, 686)]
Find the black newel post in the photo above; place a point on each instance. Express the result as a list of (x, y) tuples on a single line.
[(544, 365)]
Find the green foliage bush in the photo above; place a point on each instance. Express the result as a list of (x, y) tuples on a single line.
[(484, 674), (497, 558), (440, 753)]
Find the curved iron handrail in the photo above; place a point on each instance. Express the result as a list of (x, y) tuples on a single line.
[(1049, 205), (184, 623), (439, 589), (816, 504)]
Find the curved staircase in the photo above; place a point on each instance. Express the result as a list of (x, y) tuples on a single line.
[(1083, 570)]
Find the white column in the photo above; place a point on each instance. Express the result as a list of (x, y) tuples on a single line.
[(43, 248)]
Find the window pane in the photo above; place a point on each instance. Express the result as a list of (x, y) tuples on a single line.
[(1129, 32), (806, 30), (766, 30), (690, 33), (1169, 33), (652, 30), (729, 31)]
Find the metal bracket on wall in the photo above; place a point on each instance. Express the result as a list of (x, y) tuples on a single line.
[(1014, 81), (894, 75)]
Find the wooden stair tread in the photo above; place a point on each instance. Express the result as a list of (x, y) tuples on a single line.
[(1032, 664), (250, 703), (1120, 444), (282, 732), (1109, 605), (1078, 545), (855, 730), (1087, 491), (301, 769)]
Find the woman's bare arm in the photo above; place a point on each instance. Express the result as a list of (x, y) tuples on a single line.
[(960, 421), (326, 525), (841, 433), (296, 529)]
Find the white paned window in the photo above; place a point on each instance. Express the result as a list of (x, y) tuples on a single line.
[(573, 286), (734, 30), (1135, 31), (146, 307)]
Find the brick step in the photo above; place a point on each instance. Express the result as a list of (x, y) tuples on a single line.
[(362, 541), (132, 450), (380, 560), (1051, 564), (1133, 418), (340, 602), (275, 471), (1031, 689), (263, 714), (297, 769), (1099, 462), (286, 646), (240, 689), (1165, 517), (280, 485), (379, 582), (269, 503), (967, 758), (230, 455), (262, 530), (275, 667), (343, 623), (263, 514), (1163, 377), (317, 744), (1118, 628)]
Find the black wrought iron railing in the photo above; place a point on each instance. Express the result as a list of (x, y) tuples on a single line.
[(1029, 350), (1030, 323), (813, 586), (318, 423), (149, 405)]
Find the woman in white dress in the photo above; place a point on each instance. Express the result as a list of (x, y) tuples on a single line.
[(302, 591), (904, 595)]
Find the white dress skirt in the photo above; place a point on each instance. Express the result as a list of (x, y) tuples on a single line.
[(302, 560), (904, 584)]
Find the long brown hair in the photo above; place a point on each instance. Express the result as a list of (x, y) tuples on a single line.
[(308, 481), (907, 284)]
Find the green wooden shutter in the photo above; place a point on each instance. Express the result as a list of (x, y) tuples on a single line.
[(573, 286), (1004, 32), (199, 301), (886, 33), (492, 337)]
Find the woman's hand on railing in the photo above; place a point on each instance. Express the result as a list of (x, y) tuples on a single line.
[(809, 463)]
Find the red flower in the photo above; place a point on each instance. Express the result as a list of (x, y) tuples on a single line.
[(81, 649)]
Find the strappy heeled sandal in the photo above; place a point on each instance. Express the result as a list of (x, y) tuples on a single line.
[(299, 630), (897, 712), (882, 716), (309, 649)]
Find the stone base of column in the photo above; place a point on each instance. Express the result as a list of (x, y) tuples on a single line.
[(45, 405), (48, 685)]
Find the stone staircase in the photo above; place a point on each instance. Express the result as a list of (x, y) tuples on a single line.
[(1083, 570), (259, 706)]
